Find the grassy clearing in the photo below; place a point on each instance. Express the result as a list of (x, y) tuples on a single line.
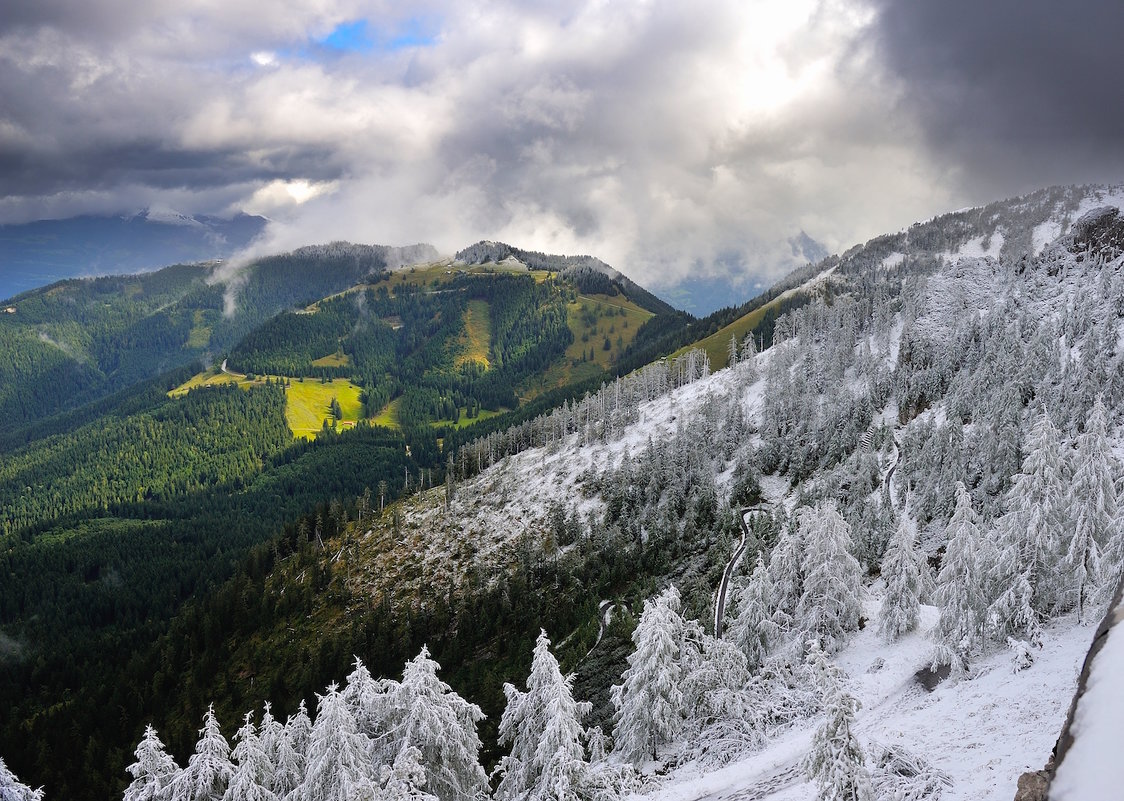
[(389, 415), (477, 341), (200, 335), (337, 359), (307, 402), (466, 421), (597, 319), (209, 378), (593, 320), (308, 405)]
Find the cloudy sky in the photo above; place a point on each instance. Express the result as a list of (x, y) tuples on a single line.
[(668, 138)]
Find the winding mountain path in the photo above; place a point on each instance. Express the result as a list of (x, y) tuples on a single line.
[(732, 565), (890, 472), (604, 616)]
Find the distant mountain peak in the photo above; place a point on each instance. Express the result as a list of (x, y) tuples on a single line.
[(806, 248), (487, 250), (169, 216), (586, 271)]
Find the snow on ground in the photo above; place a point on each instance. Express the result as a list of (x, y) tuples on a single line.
[(528, 481), (1092, 770), (983, 732), (1044, 234), (1099, 197), (1102, 196), (893, 260), (980, 246), (493, 510)]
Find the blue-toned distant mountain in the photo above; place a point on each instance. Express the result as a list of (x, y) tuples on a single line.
[(39, 253), (702, 296)]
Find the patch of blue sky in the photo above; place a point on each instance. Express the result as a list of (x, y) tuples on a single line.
[(351, 36), (359, 36)]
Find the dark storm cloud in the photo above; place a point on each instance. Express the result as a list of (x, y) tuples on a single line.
[(158, 164), (670, 139), (1012, 93)]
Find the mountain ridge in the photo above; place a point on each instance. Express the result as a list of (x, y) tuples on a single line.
[(914, 357)]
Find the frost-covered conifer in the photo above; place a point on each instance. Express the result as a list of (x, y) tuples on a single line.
[(152, 772), (424, 712), (749, 348), (253, 776), (836, 762), (209, 770), (1030, 537), (404, 780), (1001, 446), (286, 765), (724, 709), (338, 762), (755, 628), (299, 729), (1093, 505), (903, 567), (367, 699), (649, 702), (786, 570), (732, 352), (831, 603), (596, 743), (960, 593), (12, 790), (543, 726)]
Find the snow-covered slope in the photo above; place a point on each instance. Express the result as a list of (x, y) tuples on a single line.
[(929, 360), (982, 734)]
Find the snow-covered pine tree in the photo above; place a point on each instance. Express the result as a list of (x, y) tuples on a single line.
[(1000, 445), (253, 774), (299, 729), (152, 772), (208, 771), (836, 762), (11, 789), (749, 348), (649, 702), (724, 708), (755, 629), (903, 568), (339, 766), (1030, 537), (543, 726), (832, 600), (786, 570), (1093, 506), (425, 713), (367, 699), (404, 780), (960, 593), (287, 766), (732, 352)]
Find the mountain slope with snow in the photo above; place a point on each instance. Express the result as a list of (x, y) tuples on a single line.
[(933, 352)]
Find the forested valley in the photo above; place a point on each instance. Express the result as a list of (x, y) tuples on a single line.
[(129, 489)]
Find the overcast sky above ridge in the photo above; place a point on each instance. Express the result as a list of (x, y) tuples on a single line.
[(668, 138)]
